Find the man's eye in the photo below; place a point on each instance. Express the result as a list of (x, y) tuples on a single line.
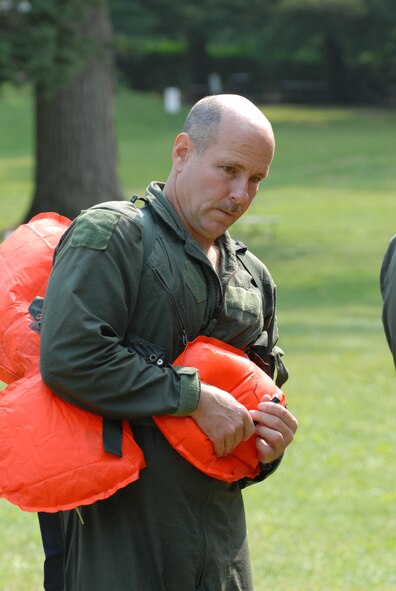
[(229, 169)]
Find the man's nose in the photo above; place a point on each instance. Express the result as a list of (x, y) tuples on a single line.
[(240, 190)]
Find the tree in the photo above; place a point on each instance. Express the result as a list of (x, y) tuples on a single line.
[(65, 50), (354, 42), (198, 24), (344, 51)]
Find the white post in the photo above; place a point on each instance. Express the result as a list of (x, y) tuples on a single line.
[(172, 100)]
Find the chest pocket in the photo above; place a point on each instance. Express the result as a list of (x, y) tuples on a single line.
[(195, 281), (241, 302)]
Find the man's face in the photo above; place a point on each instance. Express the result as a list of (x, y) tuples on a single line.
[(213, 189)]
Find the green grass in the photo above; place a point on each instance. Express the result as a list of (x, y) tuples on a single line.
[(326, 520)]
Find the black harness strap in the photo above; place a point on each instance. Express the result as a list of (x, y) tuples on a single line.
[(112, 428), (112, 436), (267, 349)]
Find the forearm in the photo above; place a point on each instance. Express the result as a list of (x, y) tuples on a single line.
[(127, 387)]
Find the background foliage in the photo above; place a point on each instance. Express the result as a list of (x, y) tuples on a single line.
[(305, 51), (326, 520)]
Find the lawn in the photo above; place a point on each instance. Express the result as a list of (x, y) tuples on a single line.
[(326, 520)]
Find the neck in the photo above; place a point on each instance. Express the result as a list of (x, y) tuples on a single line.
[(169, 192), (214, 255)]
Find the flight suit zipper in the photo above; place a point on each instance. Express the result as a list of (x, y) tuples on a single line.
[(183, 331)]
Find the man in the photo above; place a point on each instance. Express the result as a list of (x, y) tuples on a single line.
[(113, 322), (388, 291)]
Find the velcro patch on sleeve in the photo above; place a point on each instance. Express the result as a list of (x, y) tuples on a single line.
[(94, 228)]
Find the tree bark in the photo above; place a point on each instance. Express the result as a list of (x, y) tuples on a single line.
[(76, 163), (198, 58), (336, 71)]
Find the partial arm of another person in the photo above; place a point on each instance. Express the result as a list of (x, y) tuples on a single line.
[(388, 291)]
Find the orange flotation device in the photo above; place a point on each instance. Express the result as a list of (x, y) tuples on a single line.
[(25, 265), (51, 452), (230, 369)]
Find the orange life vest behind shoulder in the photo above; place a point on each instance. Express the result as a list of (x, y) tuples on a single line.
[(25, 264), (51, 452)]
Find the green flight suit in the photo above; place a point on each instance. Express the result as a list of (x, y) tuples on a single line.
[(388, 291), (114, 319)]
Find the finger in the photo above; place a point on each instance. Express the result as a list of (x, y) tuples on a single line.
[(272, 429), (219, 448), (266, 452), (265, 418), (279, 440), (271, 409), (224, 446), (270, 447), (273, 422), (248, 427), (235, 438)]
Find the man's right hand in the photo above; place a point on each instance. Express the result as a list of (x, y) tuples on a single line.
[(223, 419)]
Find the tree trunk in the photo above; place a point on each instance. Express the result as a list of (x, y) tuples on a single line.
[(336, 71), (75, 145), (198, 62)]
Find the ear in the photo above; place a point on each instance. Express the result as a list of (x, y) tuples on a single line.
[(182, 149)]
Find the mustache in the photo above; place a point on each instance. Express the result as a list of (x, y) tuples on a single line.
[(231, 207)]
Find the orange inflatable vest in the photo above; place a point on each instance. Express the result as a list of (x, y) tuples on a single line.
[(231, 370), (25, 265), (51, 452)]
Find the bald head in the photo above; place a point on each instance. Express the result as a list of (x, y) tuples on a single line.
[(204, 118), (219, 160)]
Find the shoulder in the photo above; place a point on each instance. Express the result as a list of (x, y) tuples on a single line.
[(257, 269), (94, 228), (388, 267)]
